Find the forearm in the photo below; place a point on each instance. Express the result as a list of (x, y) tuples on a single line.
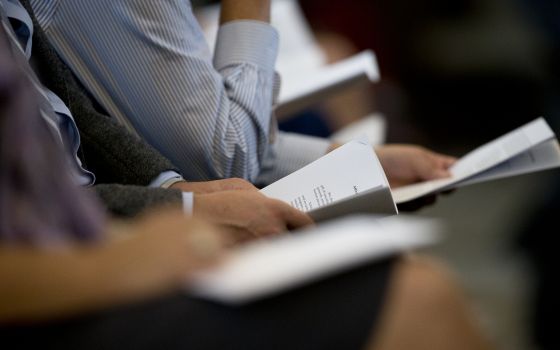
[(38, 285), (45, 284), (129, 201), (232, 10)]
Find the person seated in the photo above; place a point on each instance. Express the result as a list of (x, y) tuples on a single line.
[(151, 69), (128, 174), (73, 279)]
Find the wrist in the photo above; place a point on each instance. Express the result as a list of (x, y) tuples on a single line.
[(194, 187), (233, 10)]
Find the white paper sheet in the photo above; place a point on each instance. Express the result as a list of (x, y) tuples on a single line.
[(314, 85), (274, 265), (529, 148), (335, 180)]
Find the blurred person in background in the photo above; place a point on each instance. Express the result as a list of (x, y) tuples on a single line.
[(71, 279)]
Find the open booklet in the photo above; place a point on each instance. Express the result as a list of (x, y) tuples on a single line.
[(530, 148), (270, 266), (348, 180), (305, 75), (315, 84)]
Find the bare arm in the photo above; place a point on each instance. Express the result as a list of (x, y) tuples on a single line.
[(232, 10), (156, 258)]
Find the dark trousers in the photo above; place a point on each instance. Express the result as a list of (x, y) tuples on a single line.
[(338, 312)]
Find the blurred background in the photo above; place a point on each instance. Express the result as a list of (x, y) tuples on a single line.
[(456, 74)]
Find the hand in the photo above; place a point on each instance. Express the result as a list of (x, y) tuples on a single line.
[(156, 253), (407, 164), (214, 186), (249, 215)]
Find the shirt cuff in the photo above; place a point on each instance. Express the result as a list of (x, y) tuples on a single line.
[(188, 202), (292, 152), (246, 41), (166, 179)]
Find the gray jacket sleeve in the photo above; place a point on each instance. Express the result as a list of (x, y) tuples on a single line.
[(129, 200)]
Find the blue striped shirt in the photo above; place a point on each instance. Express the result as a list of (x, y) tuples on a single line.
[(147, 63)]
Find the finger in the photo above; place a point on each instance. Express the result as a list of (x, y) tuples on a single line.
[(440, 174), (235, 235), (427, 167), (435, 167), (449, 161), (445, 162), (295, 218), (205, 242)]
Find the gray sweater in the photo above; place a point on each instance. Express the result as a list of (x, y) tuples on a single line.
[(122, 163)]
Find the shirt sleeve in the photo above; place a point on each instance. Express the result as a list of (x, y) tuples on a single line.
[(166, 179), (188, 203), (289, 153), (149, 66)]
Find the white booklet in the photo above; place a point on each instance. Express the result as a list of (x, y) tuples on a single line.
[(270, 266), (532, 147), (304, 88), (348, 180)]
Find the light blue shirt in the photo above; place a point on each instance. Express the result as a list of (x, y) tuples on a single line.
[(148, 64), (53, 110)]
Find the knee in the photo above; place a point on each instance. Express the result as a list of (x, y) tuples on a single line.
[(426, 285)]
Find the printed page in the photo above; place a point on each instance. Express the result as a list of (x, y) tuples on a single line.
[(503, 148), (310, 86), (482, 159), (270, 266), (349, 170), (541, 157)]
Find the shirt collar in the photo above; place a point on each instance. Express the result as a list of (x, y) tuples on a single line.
[(22, 24)]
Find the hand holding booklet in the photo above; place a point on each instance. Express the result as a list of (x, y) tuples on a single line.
[(348, 180), (271, 266)]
